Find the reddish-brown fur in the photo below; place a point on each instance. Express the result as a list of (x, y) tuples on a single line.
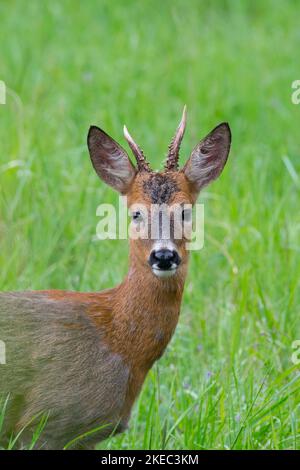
[(139, 337), (85, 356), (138, 318)]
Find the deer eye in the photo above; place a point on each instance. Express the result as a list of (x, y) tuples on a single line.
[(136, 216), (186, 215)]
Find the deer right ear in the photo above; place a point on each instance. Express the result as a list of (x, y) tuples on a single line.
[(110, 160)]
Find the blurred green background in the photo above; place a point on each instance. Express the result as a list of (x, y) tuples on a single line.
[(227, 379)]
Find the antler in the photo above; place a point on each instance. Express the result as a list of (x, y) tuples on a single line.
[(174, 147), (143, 165)]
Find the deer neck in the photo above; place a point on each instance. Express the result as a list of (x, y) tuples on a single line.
[(145, 314)]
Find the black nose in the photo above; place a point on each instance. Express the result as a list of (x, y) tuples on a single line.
[(164, 259)]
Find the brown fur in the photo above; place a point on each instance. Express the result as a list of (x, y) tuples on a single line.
[(160, 187), (83, 357), (134, 323)]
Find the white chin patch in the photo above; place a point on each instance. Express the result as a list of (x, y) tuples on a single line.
[(164, 273)]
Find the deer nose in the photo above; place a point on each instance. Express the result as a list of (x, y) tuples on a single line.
[(164, 259)]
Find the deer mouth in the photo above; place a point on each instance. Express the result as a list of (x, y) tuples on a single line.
[(164, 272)]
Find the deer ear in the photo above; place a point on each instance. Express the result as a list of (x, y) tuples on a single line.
[(110, 160), (208, 157)]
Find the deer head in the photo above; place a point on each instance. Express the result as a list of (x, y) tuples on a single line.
[(158, 200)]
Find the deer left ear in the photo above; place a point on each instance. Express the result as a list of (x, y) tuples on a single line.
[(209, 157)]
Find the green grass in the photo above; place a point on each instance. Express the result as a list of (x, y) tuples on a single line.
[(226, 380)]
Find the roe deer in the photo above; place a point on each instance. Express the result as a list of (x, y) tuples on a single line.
[(83, 357)]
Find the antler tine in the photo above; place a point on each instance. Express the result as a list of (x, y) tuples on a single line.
[(143, 165), (174, 147)]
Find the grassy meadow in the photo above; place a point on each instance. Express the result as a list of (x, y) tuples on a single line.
[(227, 380)]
